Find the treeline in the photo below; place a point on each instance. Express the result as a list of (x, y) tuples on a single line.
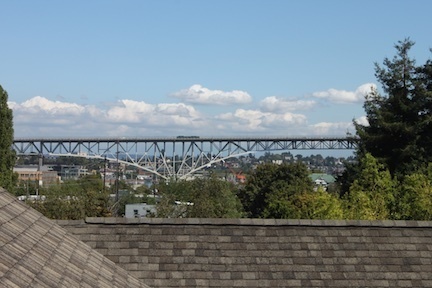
[(286, 191), (86, 197), (74, 199), (270, 191)]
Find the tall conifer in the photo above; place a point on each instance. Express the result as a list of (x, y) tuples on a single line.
[(398, 133), (7, 155)]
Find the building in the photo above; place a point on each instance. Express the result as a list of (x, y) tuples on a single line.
[(71, 172), (139, 210), (322, 180), (40, 175)]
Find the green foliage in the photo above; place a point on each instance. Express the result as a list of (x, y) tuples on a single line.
[(270, 189), (198, 198), (371, 196), (346, 179), (25, 187), (319, 205), (74, 199), (399, 131), (171, 192), (7, 155), (415, 196), (279, 205), (61, 202)]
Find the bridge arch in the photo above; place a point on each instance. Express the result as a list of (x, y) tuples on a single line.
[(175, 157)]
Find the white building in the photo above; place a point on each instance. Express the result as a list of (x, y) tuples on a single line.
[(139, 210)]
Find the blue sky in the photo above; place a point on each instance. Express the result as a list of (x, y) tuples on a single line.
[(211, 68)]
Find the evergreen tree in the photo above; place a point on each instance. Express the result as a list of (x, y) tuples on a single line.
[(399, 131), (7, 155), (424, 99)]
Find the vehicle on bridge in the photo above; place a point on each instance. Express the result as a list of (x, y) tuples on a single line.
[(187, 137)]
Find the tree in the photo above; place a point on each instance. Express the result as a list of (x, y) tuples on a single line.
[(96, 199), (371, 196), (399, 132), (74, 199), (319, 204), (214, 198), (270, 190), (199, 198), (415, 196), (61, 201), (7, 155), (424, 99), (346, 179), (174, 199)]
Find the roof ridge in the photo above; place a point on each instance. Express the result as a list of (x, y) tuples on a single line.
[(252, 222)]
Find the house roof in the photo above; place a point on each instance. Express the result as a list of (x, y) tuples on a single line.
[(326, 177), (264, 252), (36, 252)]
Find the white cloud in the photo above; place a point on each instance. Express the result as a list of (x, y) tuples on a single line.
[(255, 121), (343, 96), (125, 117), (176, 109), (362, 121), (12, 104), (275, 104), (332, 128), (40, 117), (160, 115), (40, 104), (39, 111), (129, 111), (201, 95)]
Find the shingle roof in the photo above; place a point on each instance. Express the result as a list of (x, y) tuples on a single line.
[(326, 177), (264, 252), (36, 252)]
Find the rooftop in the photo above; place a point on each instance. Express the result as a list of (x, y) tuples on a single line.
[(264, 252), (36, 252), (119, 252)]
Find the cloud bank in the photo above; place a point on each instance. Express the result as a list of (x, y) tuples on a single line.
[(200, 95), (342, 96), (275, 104), (273, 116)]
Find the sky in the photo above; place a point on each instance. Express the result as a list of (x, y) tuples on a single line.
[(140, 68)]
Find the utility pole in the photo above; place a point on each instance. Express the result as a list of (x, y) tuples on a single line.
[(117, 185), (104, 176)]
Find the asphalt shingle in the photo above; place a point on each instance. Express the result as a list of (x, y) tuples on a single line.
[(264, 253), (36, 252)]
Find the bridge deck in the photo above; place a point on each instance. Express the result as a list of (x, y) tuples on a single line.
[(177, 157)]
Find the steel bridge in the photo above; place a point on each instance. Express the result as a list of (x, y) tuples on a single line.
[(174, 157)]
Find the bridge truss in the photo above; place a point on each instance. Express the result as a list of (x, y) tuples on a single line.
[(173, 157)]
